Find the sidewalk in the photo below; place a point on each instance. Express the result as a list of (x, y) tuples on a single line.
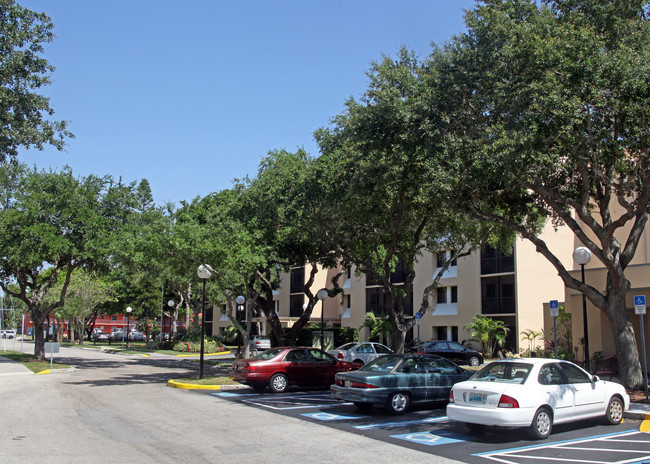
[(8, 367)]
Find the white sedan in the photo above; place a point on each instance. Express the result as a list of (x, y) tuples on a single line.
[(534, 393), (360, 352)]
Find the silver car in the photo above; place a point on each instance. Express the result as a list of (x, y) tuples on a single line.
[(360, 352)]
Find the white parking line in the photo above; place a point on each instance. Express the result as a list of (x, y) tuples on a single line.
[(387, 425), (506, 456), (295, 402)]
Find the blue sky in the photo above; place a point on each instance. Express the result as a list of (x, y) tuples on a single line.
[(192, 94)]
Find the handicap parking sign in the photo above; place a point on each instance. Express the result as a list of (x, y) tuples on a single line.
[(639, 305)]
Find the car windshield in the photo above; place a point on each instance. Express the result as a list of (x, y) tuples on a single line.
[(382, 364), (268, 354), (508, 372)]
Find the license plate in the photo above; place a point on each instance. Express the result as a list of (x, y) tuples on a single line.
[(347, 383), (475, 398)]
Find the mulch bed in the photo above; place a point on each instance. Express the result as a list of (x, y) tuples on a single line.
[(637, 396)]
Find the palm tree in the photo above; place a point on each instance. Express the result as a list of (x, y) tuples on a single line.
[(489, 332), (380, 327)]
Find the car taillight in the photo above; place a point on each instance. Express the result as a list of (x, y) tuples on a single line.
[(451, 396), (340, 356), (338, 382), (362, 385), (508, 402)]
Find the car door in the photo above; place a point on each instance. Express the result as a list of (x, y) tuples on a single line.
[(412, 377), (364, 352), (557, 391), (588, 398), (441, 375), (298, 367), (324, 367)]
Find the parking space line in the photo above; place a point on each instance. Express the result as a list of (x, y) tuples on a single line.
[(506, 456), (387, 425)]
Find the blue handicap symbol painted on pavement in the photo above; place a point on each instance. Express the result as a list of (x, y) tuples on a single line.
[(226, 394), (326, 416), (440, 437)]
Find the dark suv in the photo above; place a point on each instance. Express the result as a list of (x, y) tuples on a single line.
[(453, 351)]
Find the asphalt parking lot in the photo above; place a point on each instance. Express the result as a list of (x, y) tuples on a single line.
[(428, 430)]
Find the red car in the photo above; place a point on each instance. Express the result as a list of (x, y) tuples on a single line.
[(280, 367)]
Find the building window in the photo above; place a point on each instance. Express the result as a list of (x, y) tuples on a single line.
[(498, 295), (297, 280), (442, 294), (375, 301), (102, 317), (454, 294), (113, 318), (495, 262), (396, 277), (295, 305), (443, 256)]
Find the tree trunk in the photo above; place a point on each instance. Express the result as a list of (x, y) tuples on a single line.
[(39, 341), (627, 350)]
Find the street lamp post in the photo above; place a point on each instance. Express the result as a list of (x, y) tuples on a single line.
[(582, 256), (322, 294), (240, 300), (204, 273), (128, 326), (171, 304)]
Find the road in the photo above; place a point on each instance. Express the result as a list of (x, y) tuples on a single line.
[(116, 408)]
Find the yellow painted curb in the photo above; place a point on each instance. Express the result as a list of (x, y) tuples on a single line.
[(146, 355), (645, 426), (47, 371), (204, 354), (190, 386)]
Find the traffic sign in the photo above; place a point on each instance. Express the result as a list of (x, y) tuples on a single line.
[(639, 305), (418, 317), (555, 308)]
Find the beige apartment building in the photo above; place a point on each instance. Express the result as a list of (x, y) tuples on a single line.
[(515, 289)]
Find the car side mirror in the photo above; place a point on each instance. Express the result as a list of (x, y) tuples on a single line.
[(595, 378)]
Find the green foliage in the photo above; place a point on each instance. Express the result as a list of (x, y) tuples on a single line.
[(489, 332), (23, 112)]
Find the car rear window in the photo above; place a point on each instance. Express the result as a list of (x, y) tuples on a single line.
[(503, 372), (382, 364)]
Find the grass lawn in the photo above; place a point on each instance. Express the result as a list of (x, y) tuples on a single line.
[(29, 361)]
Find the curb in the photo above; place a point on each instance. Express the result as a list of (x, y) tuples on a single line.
[(191, 386), (204, 354)]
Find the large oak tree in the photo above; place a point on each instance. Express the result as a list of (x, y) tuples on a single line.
[(548, 106)]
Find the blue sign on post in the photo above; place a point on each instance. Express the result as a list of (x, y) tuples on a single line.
[(639, 305), (555, 308)]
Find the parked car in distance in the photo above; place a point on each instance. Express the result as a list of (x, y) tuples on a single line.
[(453, 351), (137, 336), (100, 337), (259, 343), (278, 368), (534, 393), (396, 381), (360, 352), (8, 333), (117, 335)]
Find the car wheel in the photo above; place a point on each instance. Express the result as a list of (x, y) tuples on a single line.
[(359, 361), (477, 428), (474, 361), (398, 403), (614, 414), (362, 405), (540, 428), (279, 383)]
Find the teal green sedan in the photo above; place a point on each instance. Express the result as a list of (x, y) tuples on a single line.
[(396, 381)]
